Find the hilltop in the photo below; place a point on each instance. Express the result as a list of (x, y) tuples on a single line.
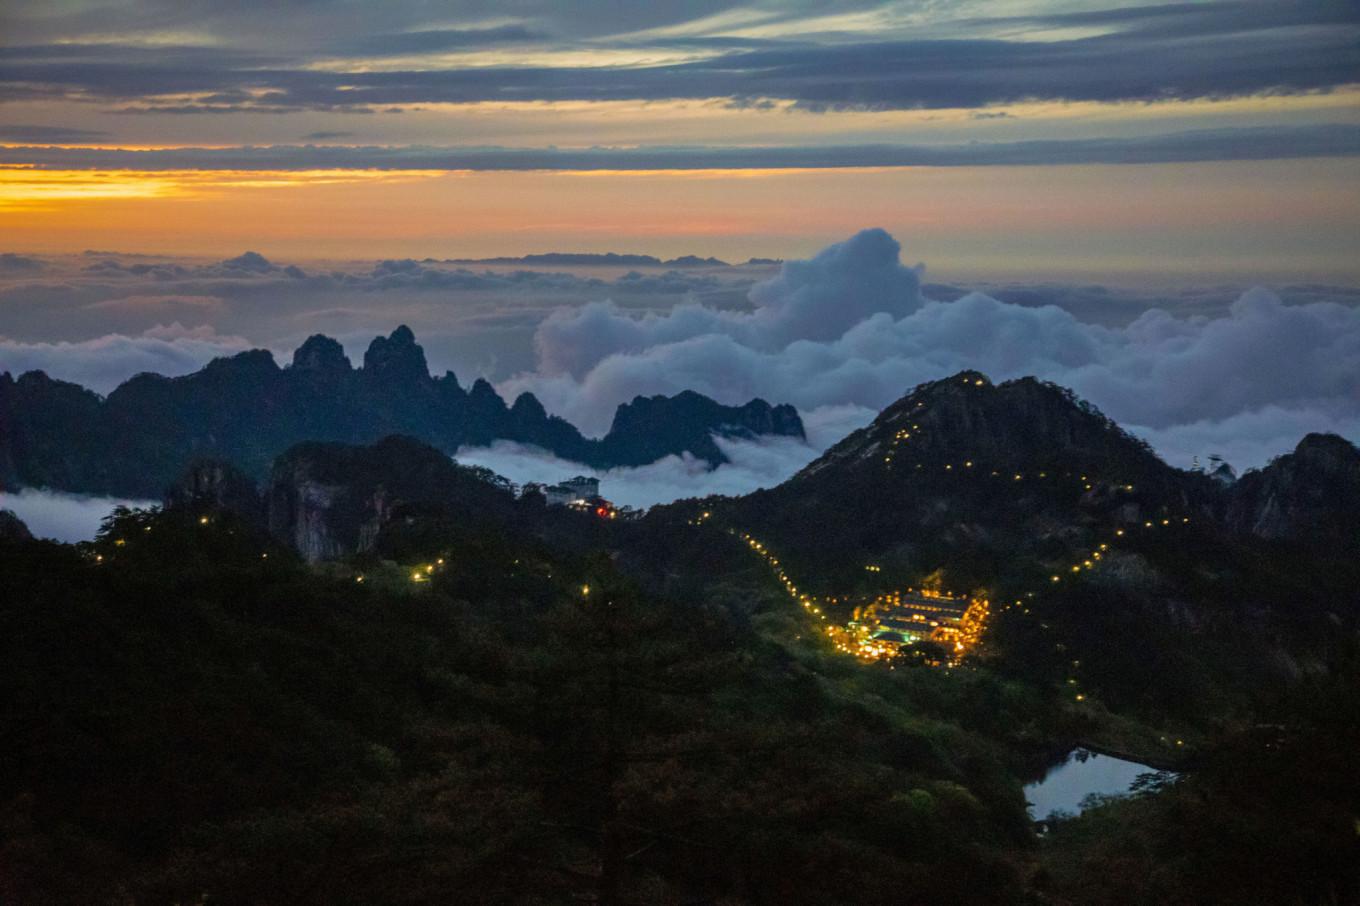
[(980, 476)]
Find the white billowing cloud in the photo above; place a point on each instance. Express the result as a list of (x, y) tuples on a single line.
[(818, 299), (761, 463), (64, 517), (1247, 440), (105, 362), (850, 327)]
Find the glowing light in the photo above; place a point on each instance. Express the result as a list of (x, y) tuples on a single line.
[(27, 188)]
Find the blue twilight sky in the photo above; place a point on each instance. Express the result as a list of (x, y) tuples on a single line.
[(1157, 204), (998, 136)]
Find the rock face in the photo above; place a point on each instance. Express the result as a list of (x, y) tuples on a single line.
[(1312, 494), (649, 428), (214, 484), (329, 500), (247, 410), (12, 528)]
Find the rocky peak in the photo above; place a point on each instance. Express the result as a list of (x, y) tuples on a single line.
[(397, 358), (1020, 424), (1328, 453), (650, 427), (329, 500), (528, 409), (695, 412), (1312, 493), (252, 362), (484, 398), (216, 484), (969, 476), (321, 355)]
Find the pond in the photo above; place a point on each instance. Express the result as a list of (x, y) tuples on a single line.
[(1082, 773)]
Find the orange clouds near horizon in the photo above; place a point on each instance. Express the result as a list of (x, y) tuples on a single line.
[(1285, 217)]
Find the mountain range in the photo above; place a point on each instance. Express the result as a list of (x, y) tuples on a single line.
[(246, 409), (979, 485), (382, 673)]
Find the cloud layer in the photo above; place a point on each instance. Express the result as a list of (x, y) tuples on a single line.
[(1167, 51), (1197, 370), (851, 326), (63, 517), (752, 464), (1247, 143)]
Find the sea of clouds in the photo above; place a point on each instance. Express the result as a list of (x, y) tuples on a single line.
[(1241, 372), (852, 327)]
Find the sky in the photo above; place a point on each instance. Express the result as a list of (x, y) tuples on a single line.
[(999, 137), (1157, 205)]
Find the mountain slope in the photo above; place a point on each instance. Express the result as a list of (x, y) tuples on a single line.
[(970, 475), (246, 410)]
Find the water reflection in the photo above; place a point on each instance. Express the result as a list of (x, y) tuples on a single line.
[(1084, 772)]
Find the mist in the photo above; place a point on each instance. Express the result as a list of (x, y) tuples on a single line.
[(753, 464), (63, 517)]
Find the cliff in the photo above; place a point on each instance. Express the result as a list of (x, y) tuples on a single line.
[(328, 500), (1312, 494)]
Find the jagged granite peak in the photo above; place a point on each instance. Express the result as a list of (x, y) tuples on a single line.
[(483, 400), (397, 358), (1328, 453), (321, 354), (1224, 474), (330, 500), (216, 484), (260, 361), (12, 528), (482, 389), (648, 425), (528, 409), (1310, 494), (246, 410)]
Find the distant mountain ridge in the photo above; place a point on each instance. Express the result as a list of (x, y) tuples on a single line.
[(247, 410), (602, 259)]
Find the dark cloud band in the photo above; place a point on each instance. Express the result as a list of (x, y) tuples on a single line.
[(1179, 51), (1266, 143)]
